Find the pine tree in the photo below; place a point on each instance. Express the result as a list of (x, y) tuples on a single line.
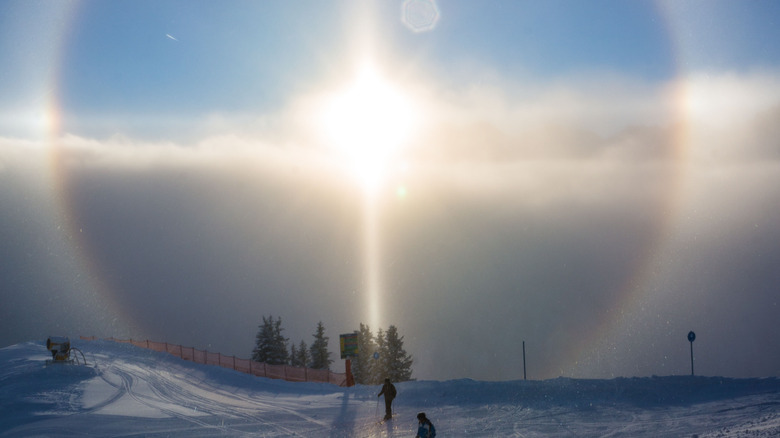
[(380, 369), (362, 364), (320, 356), (270, 345), (399, 364), (293, 356), (279, 354), (263, 341), (303, 357)]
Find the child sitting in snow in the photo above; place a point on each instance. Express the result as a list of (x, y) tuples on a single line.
[(425, 429)]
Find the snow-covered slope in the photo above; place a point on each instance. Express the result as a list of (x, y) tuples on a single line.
[(128, 391)]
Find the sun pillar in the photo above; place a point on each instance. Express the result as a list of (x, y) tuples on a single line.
[(366, 121), (373, 277)]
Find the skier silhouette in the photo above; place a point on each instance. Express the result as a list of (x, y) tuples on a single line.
[(388, 389)]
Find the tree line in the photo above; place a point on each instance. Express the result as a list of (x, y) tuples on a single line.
[(379, 356), (271, 347)]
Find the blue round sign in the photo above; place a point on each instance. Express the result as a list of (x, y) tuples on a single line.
[(376, 355), (691, 336)]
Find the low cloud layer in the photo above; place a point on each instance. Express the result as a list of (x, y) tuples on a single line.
[(599, 221)]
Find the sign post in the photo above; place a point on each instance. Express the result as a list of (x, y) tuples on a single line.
[(691, 338), (349, 349)]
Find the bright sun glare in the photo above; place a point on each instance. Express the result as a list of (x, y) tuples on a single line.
[(367, 122)]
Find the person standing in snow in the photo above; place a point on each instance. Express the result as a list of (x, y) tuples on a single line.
[(425, 428), (388, 389)]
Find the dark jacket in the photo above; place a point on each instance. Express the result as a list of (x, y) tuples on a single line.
[(388, 389)]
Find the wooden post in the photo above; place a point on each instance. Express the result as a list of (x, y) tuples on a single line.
[(350, 377)]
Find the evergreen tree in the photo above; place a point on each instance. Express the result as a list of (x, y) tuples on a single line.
[(303, 358), (320, 356), (279, 354), (399, 364), (363, 363), (263, 341), (270, 345), (293, 356), (380, 369)]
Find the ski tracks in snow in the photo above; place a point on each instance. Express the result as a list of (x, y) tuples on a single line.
[(620, 421), (165, 394)]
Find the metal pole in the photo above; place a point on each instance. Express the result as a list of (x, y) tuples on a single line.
[(524, 377), (691, 338)]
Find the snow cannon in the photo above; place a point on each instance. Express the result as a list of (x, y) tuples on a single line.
[(59, 347), (61, 351)]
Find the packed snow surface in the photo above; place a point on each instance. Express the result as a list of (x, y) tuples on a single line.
[(126, 391)]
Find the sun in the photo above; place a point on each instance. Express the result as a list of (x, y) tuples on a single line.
[(367, 121)]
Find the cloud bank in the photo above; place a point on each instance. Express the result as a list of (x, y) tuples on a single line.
[(599, 220)]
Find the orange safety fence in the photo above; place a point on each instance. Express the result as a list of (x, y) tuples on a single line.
[(259, 369)]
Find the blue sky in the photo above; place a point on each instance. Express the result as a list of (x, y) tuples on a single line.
[(596, 178), (118, 57)]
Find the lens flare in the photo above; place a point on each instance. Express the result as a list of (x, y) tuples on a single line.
[(420, 15)]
